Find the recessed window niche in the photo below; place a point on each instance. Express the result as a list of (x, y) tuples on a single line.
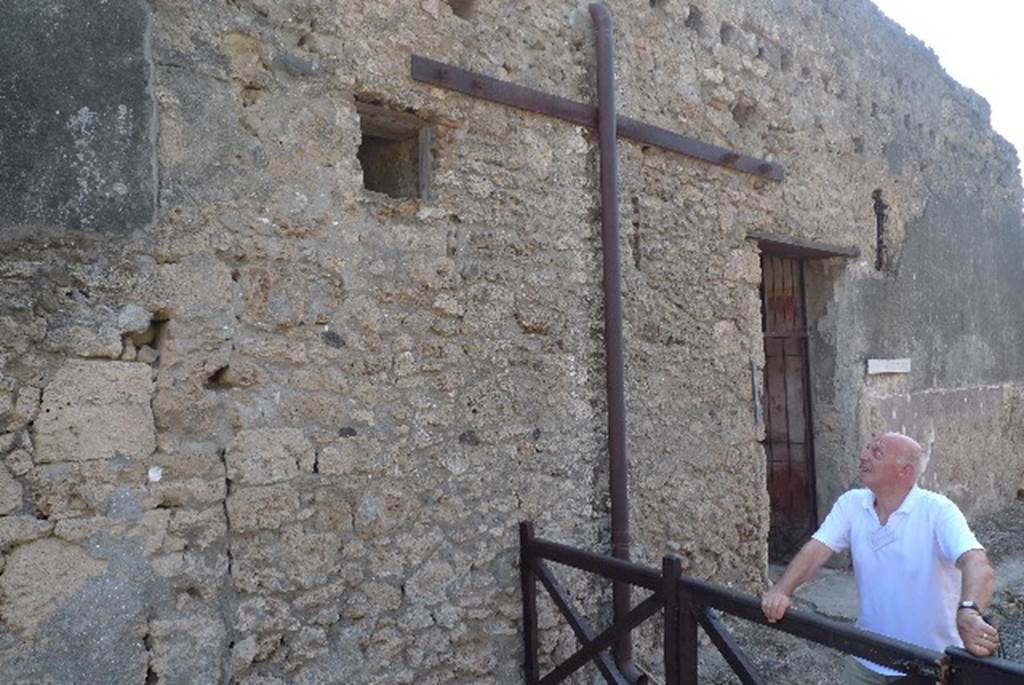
[(394, 151), (464, 9)]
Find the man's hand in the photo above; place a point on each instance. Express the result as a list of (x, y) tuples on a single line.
[(777, 600), (774, 604), (980, 638)]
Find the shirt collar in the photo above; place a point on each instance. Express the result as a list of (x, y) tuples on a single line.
[(910, 500), (868, 501)]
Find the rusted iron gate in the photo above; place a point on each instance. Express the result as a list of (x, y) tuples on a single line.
[(685, 602)]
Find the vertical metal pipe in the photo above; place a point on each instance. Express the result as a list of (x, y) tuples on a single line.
[(617, 470)]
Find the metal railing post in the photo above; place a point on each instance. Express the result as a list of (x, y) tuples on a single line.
[(671, 571), (688, 633), (531, 671)]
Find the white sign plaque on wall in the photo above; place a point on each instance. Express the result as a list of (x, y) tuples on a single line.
[(880, 366)]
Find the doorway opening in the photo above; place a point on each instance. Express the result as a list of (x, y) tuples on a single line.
[(788, 441)]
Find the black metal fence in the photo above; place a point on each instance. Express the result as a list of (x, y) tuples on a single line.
[(685, 602)]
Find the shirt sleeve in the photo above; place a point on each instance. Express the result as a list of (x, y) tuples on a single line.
[(835, 529), (953, 534)]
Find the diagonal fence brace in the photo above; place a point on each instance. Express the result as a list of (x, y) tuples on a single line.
[(579, 625), (590, 649), (737, 659)]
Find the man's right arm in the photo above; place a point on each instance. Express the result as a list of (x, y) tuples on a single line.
[(809, 559)]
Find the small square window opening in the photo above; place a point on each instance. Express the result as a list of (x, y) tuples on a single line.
[(394, 152)]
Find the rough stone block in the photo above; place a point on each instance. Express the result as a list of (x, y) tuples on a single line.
[(282, 296), (19, 461), (10, 493), (196, 290), (201, 529), (115, 487), (266, 507), (181, 403), (39, 577), (85, 332), (24, 408), (150, 530), (295, 560), (430, 584), (96, 410), (75, 115), (15, 530), (332, 510), (187, 648), (134, 319), (341, 458), (189, 479), (269, 455)]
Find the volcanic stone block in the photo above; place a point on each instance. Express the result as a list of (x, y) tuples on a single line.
[(75, 115), (15, 530), (96, 410), (257, 457), (267, 507), (10, 493), (39, 577)]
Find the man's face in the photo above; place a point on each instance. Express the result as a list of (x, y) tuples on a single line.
[(879, 463)]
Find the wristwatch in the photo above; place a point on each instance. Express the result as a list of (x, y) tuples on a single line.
[(968, 604)]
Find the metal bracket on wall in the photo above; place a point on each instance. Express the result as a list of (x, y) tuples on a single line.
[(495, 90), (755, 394)]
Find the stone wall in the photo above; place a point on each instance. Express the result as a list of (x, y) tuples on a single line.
[(284, 430)]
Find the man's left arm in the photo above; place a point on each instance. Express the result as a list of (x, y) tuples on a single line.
[(980, 638)]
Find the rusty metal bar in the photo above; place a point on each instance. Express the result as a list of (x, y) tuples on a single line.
[(528, 576), (488, 88), (591, 649), (880, 208), (738, 661), (580, 626)]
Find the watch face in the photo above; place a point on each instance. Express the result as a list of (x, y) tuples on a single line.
[(967, 604)]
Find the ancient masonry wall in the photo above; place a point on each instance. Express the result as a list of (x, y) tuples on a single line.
[(260, 424)]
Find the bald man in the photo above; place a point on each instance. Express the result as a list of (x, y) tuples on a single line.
[(921, 575)]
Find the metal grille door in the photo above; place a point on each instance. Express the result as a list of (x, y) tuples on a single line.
[(787, 405)]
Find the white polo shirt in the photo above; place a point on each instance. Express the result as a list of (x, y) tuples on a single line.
[(907, 579)]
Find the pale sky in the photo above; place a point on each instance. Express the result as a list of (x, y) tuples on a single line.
[(980, 44)]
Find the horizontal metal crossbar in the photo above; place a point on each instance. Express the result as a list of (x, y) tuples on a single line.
[(607, 567), (495, 90), (968, 669)]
